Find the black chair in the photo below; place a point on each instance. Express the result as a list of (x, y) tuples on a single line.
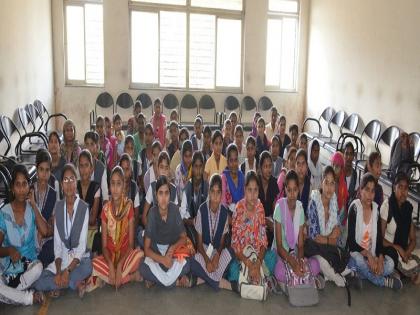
[(207, 110), (372, 132), (325, 117), (170, 102), (9, 130), (188, 110), (329, 143), (388, 138), (349, 125), (357, 142), (25, 120), (231, 104), (146, 104), (124, 101), (415, 139), (33, 116), (40, 107), (248, 109), (104, 101), (264, 107), (5, 180), (124, 107)]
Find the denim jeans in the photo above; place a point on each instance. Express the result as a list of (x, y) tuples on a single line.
[(360, 264)]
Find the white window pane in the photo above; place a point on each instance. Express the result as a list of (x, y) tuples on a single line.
[(288, 54), (173, 51), (228, 68), (179, 2), (219, 4), (144, 47), (290, 6), (75, 43), (273, 53), (94, 44), (202, 51)]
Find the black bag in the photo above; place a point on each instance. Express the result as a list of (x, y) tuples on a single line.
[(336, 256)]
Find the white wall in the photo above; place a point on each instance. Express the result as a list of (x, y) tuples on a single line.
[(78, 101), (364, 57), (26, 59)]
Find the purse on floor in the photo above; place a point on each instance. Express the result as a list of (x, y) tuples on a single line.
[(247, 289)]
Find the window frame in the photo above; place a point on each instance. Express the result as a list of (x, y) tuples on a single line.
[(276, 15), (188, 9), (80, 3)]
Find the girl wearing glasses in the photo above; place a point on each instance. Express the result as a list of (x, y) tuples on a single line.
[(72, 263)]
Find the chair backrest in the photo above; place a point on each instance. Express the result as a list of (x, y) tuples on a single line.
[(264, 107), (264, 104), (389, 135), (248, 108), (351, 123), (336, 121), (34, 115), (8, 128), (188, 109), (415, 139), (25, 120), (41, 108), (146, 104), (170, 102), (372, 130), (207, 109), (124, 105), (231, 103), (104, 101), (124, 100), (327, 114)]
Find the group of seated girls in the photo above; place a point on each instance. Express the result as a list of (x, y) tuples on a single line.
[(159, 206)]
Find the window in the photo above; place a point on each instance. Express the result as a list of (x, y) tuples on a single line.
[(282, 45), (84, 43), (194, 45)]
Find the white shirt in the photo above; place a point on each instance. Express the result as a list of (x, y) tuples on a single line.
[(199, 143), (391, 227), (60, 250), (242, 154), (183, 209)]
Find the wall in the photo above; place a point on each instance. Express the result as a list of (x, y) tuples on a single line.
[(78, 101), (26, 59), (364, 57)]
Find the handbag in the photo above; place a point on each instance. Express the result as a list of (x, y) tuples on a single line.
[(301, 291), (247, 289)]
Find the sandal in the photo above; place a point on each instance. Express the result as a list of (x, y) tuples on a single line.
[(185, 282), (38, 297), (149, 284), (273, 285), (320, 282), (81, 289), (54, 294)]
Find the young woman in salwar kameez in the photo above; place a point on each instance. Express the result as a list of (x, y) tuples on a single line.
[(211, 260), (119, 262)]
